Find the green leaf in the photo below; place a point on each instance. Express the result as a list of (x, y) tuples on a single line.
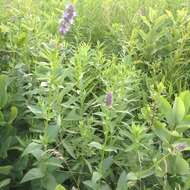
[(179, 110), (96, 145), (187, 183), (51, 133), (176, 165), (34, 173), (89, 165), (72, 116), (107, 164), (35, 149), (166, 109), (5, 170), (122, 182), (6, 145), (93, 183), (5, 182), (69, 149), (89, 183), (60, 187), (144, 173), (162, 132), (3, 90), (36, 110), (61, 176), (110, 149), (181, 166), (49, 182), (96, 177), (105, 187), (13, 114), (186, 120), (53, 164), (164, 105), (185, 97), (182, 128), (132, 176)]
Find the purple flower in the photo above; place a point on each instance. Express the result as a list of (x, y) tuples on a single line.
[(67, 19), (109, 99)]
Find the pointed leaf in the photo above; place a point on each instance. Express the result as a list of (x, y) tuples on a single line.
[(162, 132), (50, 182), (186, 120), (35, 149), (185, 97), (181, 166), (34, 173), (96, 145), (182, 128), (36, 110), (179, 110), (72, 116), (51, 133), (145, 173), (122, 182), (89, 183), (107, 164), (166, 109), (69, 149)]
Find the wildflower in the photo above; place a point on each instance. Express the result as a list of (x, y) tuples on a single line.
[(180, 146), (109, 99), (67, 19)]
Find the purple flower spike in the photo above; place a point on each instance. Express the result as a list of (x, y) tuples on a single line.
[(109, 99), (67, 19)]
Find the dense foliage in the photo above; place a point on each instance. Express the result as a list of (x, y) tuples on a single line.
[(96, 97)]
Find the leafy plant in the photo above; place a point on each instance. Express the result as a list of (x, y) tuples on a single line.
[(173, 140)]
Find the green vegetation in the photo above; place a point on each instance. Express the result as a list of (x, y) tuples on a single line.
[(103, 106)]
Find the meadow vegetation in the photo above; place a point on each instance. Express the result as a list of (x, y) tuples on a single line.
[(101, 103)]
